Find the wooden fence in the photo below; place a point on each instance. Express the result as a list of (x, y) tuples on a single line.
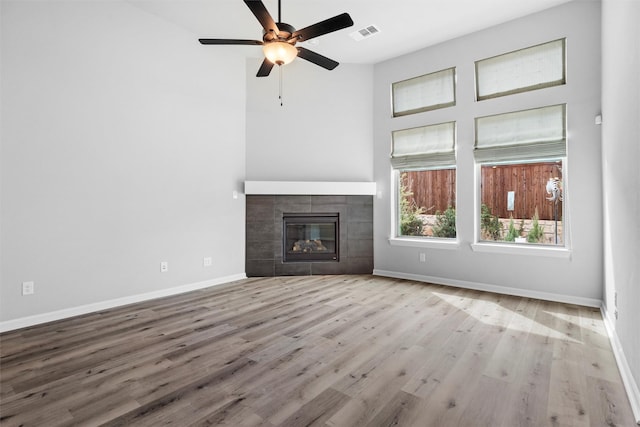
[(435, 190)]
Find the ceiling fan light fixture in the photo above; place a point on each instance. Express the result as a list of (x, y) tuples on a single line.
[(280, 53)]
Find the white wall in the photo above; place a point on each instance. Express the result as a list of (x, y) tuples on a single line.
[(578, 278), (323, 132), (621, 156), (122, 141)]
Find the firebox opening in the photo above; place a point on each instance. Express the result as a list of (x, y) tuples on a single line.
[(310, 237)]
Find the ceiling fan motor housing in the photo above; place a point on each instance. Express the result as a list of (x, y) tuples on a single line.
[(285, 32)]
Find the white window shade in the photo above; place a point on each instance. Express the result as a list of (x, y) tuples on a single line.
[(424, 147), (428, 92), (523, 135), (523, 70)]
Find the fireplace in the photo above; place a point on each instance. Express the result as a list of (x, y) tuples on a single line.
[(266, 246), (310, 237)]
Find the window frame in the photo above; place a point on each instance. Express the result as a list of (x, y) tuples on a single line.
[(410, 240), (429, 107), (551, 250), (429, 160), (533, 87), (478, 219), (502, 147)]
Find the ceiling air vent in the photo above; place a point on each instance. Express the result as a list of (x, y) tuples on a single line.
[(365, 32)]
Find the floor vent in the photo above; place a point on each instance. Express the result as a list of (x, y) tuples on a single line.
[(365, 32)]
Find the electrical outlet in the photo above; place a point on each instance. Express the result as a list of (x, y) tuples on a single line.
[(28, 288), (164, 267), (423, 257), (207, 261)]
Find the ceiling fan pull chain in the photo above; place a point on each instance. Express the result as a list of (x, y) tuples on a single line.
[(280, 85)]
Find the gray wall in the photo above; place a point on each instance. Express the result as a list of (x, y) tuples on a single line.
[(122, 142), (323, 132), (620, 155), (579, 278)]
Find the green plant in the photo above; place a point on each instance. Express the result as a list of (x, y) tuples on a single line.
[(410, 222), (489, 224), (445, 225), (535, 234), (512, 233)]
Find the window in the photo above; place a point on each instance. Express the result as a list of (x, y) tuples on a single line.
[(521, 157), (527, 69), (427, 92), (423, 159)]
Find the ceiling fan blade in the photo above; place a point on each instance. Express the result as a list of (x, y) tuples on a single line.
[(317, 59), (324, 27), (265, 68), (230, 41), (264, 17)]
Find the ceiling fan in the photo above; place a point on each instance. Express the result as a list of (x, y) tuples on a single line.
[(279, 39)]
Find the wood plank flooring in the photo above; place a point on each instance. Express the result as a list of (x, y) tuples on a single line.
[(317, 351)]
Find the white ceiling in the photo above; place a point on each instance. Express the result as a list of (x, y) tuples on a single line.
[(406, 25)]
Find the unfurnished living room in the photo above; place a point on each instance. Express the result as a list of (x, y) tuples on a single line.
[(327, 213)]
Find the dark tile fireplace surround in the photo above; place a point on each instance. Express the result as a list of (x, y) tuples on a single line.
[(264, 239)]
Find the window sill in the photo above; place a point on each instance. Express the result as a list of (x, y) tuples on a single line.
[(425, 242), (522, 249)]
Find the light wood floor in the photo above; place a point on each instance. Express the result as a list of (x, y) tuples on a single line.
[(319, 350)]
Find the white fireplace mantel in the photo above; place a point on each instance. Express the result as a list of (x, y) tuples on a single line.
[(315, 188)]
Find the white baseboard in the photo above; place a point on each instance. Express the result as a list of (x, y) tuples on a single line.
[(568, 299), (630, 384), (37, 319)]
